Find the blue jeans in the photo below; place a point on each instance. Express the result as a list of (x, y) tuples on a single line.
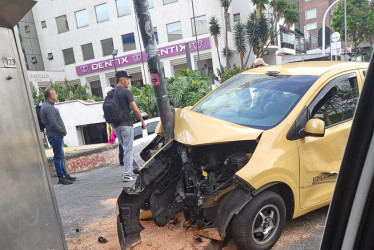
[(58, 155), (125, 136)]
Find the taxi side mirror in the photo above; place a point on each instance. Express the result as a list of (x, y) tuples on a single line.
[(314, 127)]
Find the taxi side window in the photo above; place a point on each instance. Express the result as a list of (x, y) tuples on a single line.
[(339, 103)]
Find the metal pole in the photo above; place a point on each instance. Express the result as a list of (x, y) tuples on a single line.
[(115, 66), (197, 45), (188, 55), (345, 30), (323, 28), (153, 59)]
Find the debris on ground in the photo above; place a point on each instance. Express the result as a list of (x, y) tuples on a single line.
[(101, 239)]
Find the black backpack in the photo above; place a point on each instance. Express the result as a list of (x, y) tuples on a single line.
[(41, 125), (113, 111)]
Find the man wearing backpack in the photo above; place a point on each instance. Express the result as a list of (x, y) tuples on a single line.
[(123, 128), (56, 131)]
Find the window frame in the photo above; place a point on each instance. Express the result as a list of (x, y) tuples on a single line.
[(123, 43), (102, 48), (170, 1), (167, 30), (316, 26), (76, 19), (67, 23), (315, 13), (97, 20), (193, 25), (65, 57), (83, 54), (44, 24), (126, 14), (327, 88)]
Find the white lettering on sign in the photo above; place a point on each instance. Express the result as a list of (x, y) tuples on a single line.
[(9, 62), (124, 60), (95, 66), (164, 51), (101, 65), (108, 64)]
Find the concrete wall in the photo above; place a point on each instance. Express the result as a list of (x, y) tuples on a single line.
[(89, 159), (78, 113)]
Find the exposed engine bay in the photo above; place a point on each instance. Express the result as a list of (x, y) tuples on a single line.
[(178, 178)]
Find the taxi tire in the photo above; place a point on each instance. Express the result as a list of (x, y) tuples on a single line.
[(243, 224)]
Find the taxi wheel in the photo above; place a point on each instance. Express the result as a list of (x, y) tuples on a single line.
[(260, 223)]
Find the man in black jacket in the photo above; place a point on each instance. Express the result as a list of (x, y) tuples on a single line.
[(55, 130)]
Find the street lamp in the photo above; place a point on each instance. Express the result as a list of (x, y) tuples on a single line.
[(197, 44), (323, 27), (114, 53)]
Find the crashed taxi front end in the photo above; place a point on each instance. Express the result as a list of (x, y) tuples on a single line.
[(189, 174)]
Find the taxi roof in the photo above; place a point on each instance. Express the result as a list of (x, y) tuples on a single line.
[(316, 68)]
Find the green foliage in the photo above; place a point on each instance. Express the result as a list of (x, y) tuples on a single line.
[(215, 31), (81, 93), (360, 21), (65, 145), (38, 98), (224, 74), (188, 88), (145, 99), (230, 54), (239, 40)]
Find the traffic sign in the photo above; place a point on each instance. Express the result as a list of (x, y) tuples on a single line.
[(335, 36)]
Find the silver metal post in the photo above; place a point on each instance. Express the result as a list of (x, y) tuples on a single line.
[(323, 28)]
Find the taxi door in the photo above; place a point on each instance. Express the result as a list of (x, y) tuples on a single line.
[(320, 157)]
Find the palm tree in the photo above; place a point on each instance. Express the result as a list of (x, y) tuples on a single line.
[(239, 40), (260, 6), (291, 15), (215, 31), (279, 8), (225, 4)]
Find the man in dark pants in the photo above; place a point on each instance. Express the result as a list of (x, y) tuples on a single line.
[(55, 130)]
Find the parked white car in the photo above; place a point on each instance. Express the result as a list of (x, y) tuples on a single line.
[(145, 136)]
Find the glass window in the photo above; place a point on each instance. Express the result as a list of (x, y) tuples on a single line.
[(62, 24), (256, 100), (155, 34), (311, 13), (174, 31), (138, 133), (102, 12), (151, 127), (237, 17), (228, 22), (339, 103), (128, 41), (82, 18), (311, 26), (107, 45), (87, 51), (201, 25), (68, 56), (150, 4), (44, 25), (170, 1), (123, 7)]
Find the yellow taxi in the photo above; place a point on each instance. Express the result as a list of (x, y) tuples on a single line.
[(264, 147)]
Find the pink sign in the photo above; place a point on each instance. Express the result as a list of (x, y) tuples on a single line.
[(167, 51)]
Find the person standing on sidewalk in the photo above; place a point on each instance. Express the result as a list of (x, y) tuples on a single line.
[(124, 130), (55, 130)]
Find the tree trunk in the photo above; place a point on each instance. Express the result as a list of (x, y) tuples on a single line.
[(226, 41), (216, 43)]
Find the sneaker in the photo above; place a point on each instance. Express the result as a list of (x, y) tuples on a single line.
[(128, 178), (70, 178), (64, 181)]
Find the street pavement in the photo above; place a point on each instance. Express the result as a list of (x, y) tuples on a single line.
[(84, 202)]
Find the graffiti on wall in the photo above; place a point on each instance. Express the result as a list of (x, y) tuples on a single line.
[(84, 162)]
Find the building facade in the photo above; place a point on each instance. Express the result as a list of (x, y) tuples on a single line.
[(78, 38), (311, 15)]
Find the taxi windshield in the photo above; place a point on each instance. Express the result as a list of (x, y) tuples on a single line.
[(256, 100)]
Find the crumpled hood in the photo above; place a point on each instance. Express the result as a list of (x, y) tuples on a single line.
[(192, 128)]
